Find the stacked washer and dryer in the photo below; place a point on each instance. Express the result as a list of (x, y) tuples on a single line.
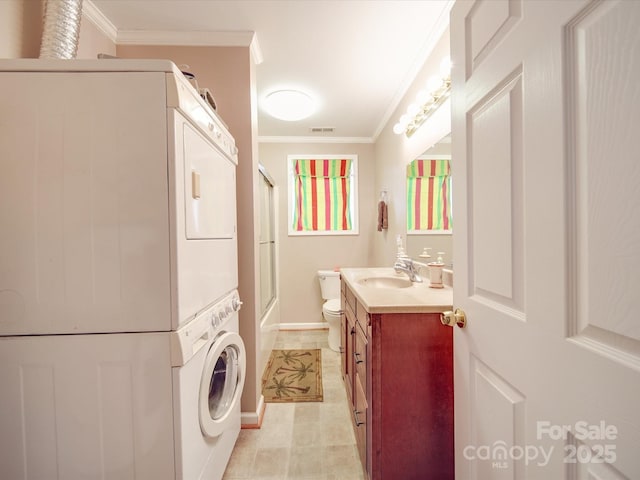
[(119, 348)]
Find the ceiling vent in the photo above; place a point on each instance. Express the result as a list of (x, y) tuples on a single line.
[(322, 129)]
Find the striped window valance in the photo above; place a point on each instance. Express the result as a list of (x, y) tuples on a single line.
[(322, 189), (429, 195)]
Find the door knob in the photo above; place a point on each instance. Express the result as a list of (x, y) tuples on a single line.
[(450, 318)]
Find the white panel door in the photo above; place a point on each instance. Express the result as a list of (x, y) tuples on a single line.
[(80, 407), (84, 243), (546, 109)]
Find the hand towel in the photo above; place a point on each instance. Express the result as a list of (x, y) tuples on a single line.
[(382, 216), (385, 223)]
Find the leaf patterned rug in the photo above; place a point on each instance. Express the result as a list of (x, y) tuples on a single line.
[(293, 376)]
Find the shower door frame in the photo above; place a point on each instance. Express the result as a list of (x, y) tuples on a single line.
[(272, 228)]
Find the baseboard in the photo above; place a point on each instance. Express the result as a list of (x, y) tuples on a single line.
[(253, 420), (305, 326), (271, 317)]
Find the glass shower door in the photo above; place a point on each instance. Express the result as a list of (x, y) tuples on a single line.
[(267, 242)]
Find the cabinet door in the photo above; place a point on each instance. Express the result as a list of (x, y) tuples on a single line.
[(344, 336), (349, 345), (360, 418), (360, 354)]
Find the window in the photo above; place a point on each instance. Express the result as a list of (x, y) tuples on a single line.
[(323, 194), (429, 196)]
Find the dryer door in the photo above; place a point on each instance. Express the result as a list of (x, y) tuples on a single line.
[(209, 188), (222, 383)]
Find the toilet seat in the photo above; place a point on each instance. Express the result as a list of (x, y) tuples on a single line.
[(332, 306)]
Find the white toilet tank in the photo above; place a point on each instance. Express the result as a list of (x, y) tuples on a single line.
[(329, 284)]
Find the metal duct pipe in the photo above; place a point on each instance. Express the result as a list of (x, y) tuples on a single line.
[(61, 29)]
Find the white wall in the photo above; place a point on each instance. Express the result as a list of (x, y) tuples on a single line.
[(381, 166), (302, 256), (20, 28), (392, 155), (92, 41), (21, 32)]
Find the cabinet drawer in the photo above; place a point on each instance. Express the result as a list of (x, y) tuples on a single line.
[(363, 316), (351, 300), (350, 312)]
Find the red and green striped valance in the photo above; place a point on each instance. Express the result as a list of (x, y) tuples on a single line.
[(429, 195), (322, 194)]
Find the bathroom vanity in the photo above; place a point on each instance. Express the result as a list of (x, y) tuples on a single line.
[(397, 366)]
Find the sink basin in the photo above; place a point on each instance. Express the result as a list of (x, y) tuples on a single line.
[(385, 282)]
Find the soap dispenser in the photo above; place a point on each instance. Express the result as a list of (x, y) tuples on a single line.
[(435, 272), (400, 249)]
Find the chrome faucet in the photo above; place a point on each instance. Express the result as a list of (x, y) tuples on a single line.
[(410, 267)]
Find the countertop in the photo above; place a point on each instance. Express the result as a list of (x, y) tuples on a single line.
[(418, 298)]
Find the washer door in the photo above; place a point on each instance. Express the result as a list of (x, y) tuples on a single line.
[(222, 382)]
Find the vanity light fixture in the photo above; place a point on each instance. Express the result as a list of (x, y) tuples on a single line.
[(427, 101), (289, 105)]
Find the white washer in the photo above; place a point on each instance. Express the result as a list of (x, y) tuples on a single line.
[(208, 378), (135, 405)]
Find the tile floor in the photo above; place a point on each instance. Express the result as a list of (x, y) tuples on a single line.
[(302, 441)]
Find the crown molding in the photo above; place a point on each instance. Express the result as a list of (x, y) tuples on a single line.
[(256, 52), (102, 23), (169, 37), (294, 139), (436, 33), (193, 39)]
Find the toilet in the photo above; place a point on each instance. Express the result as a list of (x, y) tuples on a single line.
[(331, 311)]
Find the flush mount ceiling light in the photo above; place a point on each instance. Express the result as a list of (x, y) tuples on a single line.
[(289, 105)]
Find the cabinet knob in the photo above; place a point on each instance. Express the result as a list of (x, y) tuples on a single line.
[(454, 318)]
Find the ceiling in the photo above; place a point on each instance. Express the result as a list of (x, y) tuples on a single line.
[(356, 57)]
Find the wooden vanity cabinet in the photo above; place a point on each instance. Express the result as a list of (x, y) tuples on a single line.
[(398, 373), (354, 347)]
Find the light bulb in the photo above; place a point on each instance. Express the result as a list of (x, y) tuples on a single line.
[(398, 128), (412, 109)]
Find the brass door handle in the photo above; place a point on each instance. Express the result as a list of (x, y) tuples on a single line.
[(450, 318)]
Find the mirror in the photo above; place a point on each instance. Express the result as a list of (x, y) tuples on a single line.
[(429, 202)]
